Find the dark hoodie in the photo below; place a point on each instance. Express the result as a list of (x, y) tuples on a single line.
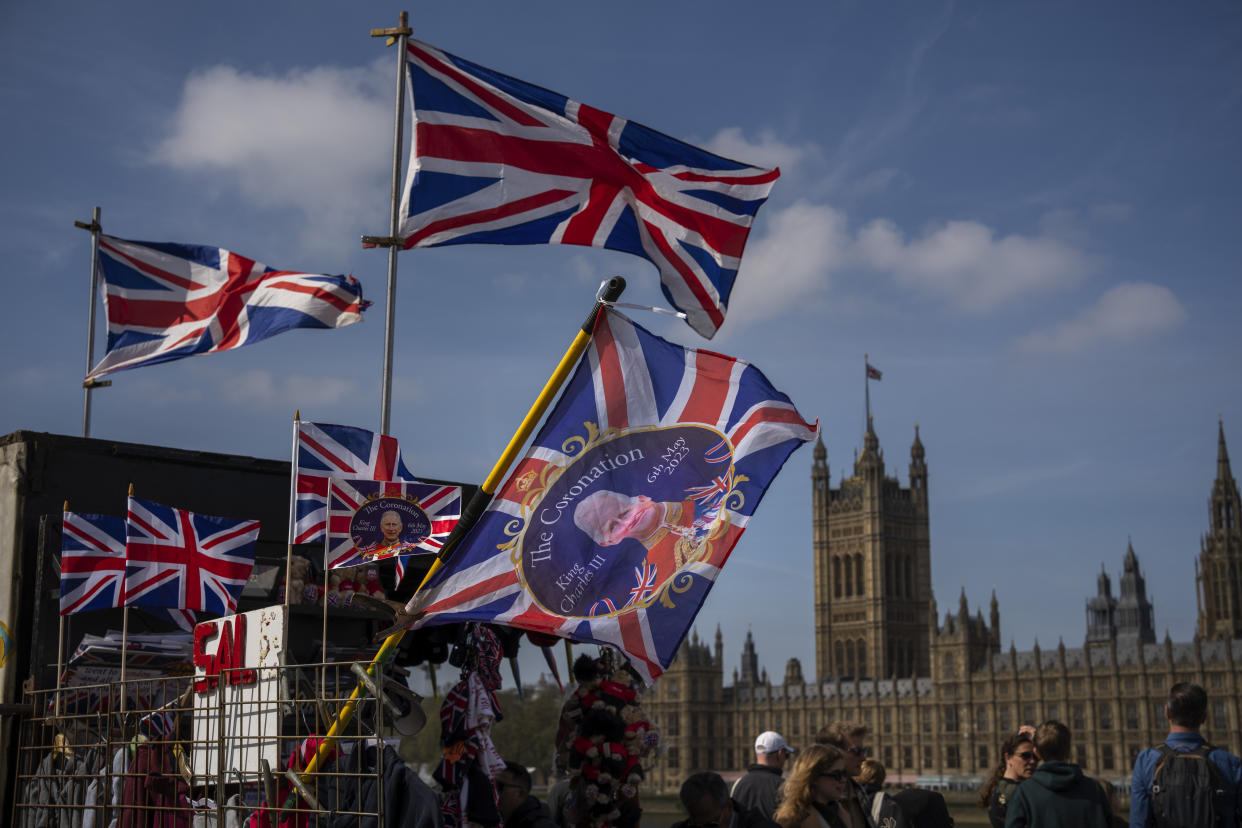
[(1058, 794)]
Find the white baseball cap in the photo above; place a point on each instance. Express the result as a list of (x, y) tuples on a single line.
[(769, 741)]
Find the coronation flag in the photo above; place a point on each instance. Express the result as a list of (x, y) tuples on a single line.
[(326, 451), (176, 558), (92, 562), (166, 301), (617, 522), (496, 160), (370, 520)]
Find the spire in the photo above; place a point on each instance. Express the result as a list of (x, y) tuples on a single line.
[(916, 448), (820, 454), (1131, 560), (962, 609), (1223, 472)]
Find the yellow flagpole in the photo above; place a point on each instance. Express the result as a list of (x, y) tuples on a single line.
[(611, 291)]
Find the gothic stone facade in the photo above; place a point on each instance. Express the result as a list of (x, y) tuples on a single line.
[(875, 616)]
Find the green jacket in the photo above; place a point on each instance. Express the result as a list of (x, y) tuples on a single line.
[(1057, 794)]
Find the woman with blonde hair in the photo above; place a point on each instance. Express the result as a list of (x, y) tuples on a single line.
[(817, 780)]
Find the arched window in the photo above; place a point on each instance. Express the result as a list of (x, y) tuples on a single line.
[(847, 576), (840, 658), (836, 577), (909, 578), (862, 658), (849, 658), (858, 576)]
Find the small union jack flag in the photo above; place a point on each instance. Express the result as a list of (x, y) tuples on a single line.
[(496, 160), (411, 500), (644, 588), (712, 491), (166, 301), (179, 559), (92, 562), (327, 451)]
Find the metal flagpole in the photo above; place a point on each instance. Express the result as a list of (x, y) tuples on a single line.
[(89, 385), (399, 35), (473, 511)]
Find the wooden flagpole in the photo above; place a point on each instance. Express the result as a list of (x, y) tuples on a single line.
[(125, 624), (473, 511), (60, 630), (90, 385)]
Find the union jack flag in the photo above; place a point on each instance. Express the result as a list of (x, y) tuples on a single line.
[(496, 160), (440, 505), (176, 558), (166, 301), (92, 562), (327, 451), (629, 433)]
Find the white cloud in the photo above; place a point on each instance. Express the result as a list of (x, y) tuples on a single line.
[(1126, 312), (768, 151), (318, 140), (966, 263), (259, 388), (791, 263)]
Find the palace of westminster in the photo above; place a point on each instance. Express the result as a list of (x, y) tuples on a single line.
[(940, 695)]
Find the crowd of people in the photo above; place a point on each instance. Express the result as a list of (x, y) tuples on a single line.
[(1184, 781)]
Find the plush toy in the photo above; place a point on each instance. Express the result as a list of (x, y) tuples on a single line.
[(373, 586), (346, 587), (298, 576)]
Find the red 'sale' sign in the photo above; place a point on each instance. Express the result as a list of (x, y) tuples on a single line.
[(227, 663)]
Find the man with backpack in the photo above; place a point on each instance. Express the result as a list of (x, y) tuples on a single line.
[(1186, 781)]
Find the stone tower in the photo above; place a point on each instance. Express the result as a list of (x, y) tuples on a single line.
[(1135, 624), (1102, 611), (871, 546), (1218, 571)]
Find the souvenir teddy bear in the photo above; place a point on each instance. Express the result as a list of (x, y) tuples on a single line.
[(373, 587), (296, 579)]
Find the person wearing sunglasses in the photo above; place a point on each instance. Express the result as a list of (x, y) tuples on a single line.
[(817, 783), (859, 808), (1018, 761)]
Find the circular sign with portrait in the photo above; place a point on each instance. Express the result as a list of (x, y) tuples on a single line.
[(623, 517), (387, 526)]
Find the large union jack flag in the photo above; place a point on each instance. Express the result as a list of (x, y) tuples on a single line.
[(425, 515), (176, 558), (166, 301), (326, 451), (499, 161), (617, 522), (92, 562)]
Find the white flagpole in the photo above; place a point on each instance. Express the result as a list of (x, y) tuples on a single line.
[(89, 385), (399, 36), (867, 384)]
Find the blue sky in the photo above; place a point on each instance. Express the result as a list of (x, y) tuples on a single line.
[(1027, 214)]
